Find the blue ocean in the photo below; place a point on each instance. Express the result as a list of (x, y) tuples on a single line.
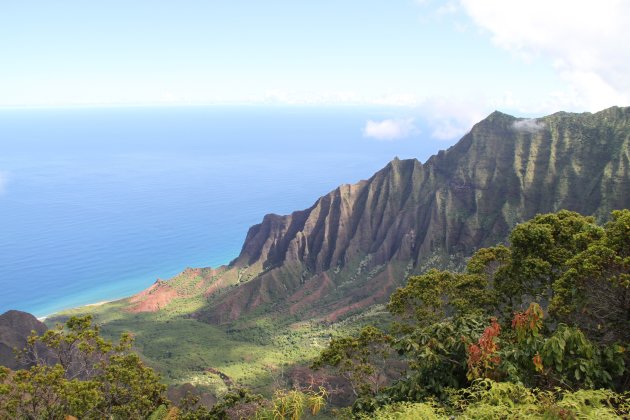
[(97, 203)]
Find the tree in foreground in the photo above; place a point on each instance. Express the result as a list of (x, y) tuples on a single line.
[(76, 372)]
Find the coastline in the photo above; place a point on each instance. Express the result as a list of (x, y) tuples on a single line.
[(100, 303)]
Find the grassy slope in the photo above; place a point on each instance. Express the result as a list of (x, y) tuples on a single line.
[(255, 353)]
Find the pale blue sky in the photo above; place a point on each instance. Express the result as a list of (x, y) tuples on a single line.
[(465, 57)]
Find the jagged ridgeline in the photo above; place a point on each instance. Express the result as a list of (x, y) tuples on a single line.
[(358, 243)]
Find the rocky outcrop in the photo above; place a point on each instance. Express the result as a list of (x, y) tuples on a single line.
[(15, 328)]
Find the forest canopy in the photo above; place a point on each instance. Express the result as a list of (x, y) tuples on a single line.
[(537, 324)]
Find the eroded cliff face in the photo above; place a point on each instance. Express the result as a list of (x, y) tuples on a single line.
[(355, 245)]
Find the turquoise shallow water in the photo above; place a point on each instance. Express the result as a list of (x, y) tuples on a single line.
[(96, 204)]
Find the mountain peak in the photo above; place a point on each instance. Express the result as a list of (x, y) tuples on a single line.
[(499, 114)]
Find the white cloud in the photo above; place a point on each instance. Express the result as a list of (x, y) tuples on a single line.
[(528, 125), (390, 129), (451, 118), (448, 8), (585, 42), (334, 97)]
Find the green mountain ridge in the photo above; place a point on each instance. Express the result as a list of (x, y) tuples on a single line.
[(358, 243)]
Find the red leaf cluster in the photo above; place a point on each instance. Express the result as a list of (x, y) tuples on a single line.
[(483, 357), (527, 322)]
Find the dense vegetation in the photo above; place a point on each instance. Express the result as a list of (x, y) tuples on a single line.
[(536, 329), (541, 326), (76, 373)]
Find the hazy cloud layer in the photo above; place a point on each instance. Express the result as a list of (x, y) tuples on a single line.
[(528, 125), (585, 41), (390, 129), (3, 182), (451, 118)]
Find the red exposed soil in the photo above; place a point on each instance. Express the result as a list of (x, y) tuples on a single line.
[(152, 299), (161, 293)]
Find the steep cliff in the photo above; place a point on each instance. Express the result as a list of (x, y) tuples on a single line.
[(355, 245)]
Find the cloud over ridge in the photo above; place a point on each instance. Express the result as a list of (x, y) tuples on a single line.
[(528, 125), (4, 177), (389, 129), (585, 41)]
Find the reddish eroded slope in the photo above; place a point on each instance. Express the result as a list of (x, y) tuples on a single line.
[(189, 283), (152, 299)]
